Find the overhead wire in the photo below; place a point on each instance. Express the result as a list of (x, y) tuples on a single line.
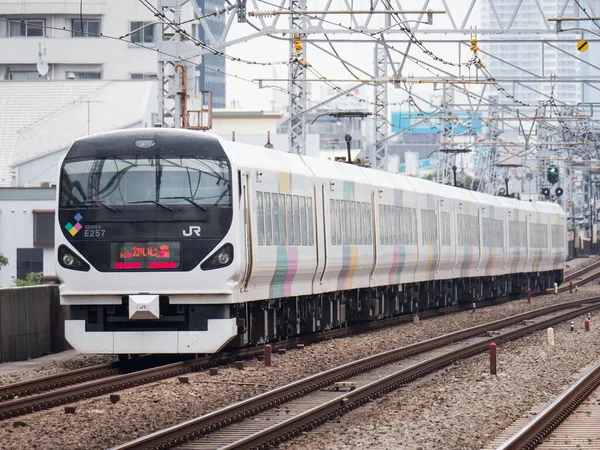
[(156, 50), (164, 19)]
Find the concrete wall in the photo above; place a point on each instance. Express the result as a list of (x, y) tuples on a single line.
[(31, 322)]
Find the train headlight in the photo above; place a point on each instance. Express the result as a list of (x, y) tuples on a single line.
[(221, 258), (70, 260)]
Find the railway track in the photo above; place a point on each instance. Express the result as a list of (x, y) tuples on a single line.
[(270, 418), (26, 397), (581, 397), (43, 393)]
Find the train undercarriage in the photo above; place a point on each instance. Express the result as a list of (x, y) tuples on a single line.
[(271, 320)]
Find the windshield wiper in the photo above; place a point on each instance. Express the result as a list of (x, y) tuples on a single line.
[(98, 202), (189, 200), (152, 201)]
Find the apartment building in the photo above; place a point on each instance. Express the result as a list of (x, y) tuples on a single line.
[(73, 40)]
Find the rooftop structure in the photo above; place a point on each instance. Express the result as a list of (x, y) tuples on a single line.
[(39, 121)]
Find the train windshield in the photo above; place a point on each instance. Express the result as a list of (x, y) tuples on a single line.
[(120, 181)]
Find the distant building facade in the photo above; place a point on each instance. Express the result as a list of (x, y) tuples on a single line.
[(71, 47), (27, 233), (211, 74), (525, 59)]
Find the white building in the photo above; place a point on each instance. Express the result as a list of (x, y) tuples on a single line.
[(72, 47), (517, 59), (26, 233)]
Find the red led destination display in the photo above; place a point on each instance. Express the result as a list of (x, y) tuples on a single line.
[(145, 255)]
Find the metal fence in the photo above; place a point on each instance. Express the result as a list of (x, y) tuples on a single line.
[(31, 322)]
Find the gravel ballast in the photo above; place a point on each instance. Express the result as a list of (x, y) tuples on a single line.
[(100, 424), (463, 406), (51, 368)]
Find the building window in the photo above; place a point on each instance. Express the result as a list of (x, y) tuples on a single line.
[(29, 260), (142, 76), (43, 228), (26, 28), (84, 76), (85, 27), (142, 32), (24, 76)]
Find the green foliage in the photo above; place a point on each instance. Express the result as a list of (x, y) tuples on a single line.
[(3, 260), (464, 180), (32, 279)]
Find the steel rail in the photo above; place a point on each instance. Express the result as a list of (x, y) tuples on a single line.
[(24, 406), (49, 400), (203, 425), (544, 423), (583, 271), (335, 408), (29, 387)]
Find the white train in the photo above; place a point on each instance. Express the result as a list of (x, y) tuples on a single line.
[(174, 241)]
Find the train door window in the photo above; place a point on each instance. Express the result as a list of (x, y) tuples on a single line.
[(335, 224), (268, 220), (260, 218), (303, 220), (282, 233), (289, 214), (311, 231), (297, 229), (29, 260), (275, 209)]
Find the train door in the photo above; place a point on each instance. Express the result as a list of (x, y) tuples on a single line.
[(244, 179)]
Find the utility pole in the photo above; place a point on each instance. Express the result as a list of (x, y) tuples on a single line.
[(380, 107), (297, 79), (172, 71)]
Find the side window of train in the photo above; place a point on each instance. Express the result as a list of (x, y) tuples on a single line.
[(303, 223), (296, 220), (268, 220), (275, 209), (260, 218), (282, 232)]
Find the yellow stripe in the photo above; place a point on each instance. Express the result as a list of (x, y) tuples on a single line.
[(353, 265), (429, 263), (284, 183)]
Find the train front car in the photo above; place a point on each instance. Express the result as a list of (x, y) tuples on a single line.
[(145, 247)]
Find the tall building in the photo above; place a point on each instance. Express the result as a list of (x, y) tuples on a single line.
[(521, 60), (211, 74), (65, 40)]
